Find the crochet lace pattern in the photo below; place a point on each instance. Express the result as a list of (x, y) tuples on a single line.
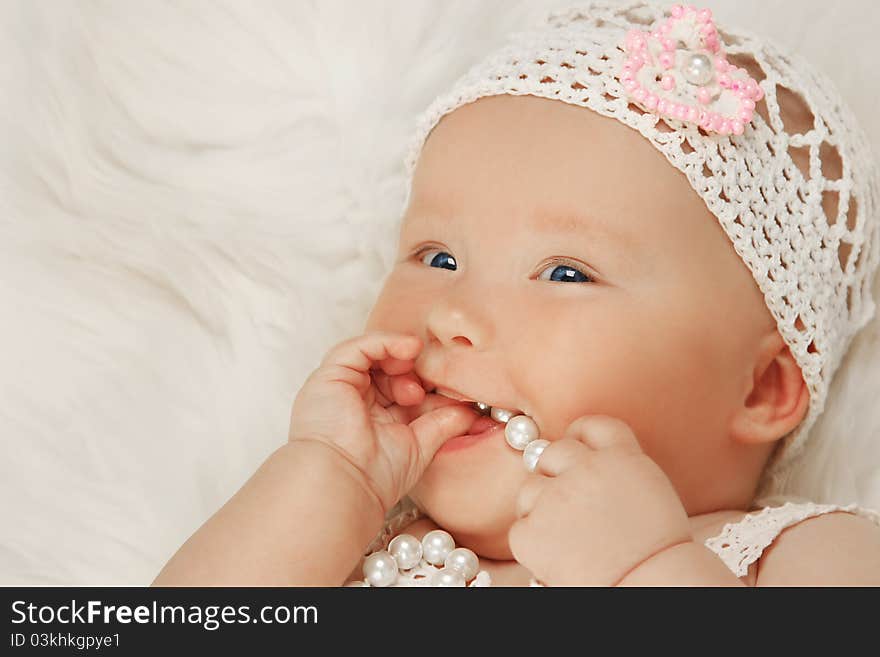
[(796, 193)]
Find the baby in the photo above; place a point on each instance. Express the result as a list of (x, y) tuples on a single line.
[(563, 294)]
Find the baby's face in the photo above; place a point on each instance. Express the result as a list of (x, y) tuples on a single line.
[(552, 260)]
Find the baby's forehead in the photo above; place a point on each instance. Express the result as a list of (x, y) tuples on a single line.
[(432, 210), (549, 164)]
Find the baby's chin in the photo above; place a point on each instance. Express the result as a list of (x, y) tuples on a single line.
[(471, 493)]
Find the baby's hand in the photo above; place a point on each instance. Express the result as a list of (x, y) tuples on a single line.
[(595, 507), (365, 402)]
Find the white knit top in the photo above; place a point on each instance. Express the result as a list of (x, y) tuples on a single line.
[(738, 545)]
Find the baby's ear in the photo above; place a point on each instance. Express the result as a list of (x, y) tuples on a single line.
[(778, 397)]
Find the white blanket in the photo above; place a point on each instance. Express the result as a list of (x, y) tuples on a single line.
[(196, 202)]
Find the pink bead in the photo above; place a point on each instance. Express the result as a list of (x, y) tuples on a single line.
[(630, 85), (760, 94), (748, 104), (736, 127), (670, 109), (661, 105), (638, 61), (724, 127), (715, 122), (734, 85), (724, 80), (745, 115), (705, 118), (664, 29), (682, 112), (677, 11), (712, 43), (704, 96), (692, 114), (666, 60), (651, 101), (668, 44), (751, 88), (707, 29), (634, 40), (667, 82), (721, 64), (627, 75), (704, 15), (639, 94)]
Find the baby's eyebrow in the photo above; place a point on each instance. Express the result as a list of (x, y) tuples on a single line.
[(574, 223)]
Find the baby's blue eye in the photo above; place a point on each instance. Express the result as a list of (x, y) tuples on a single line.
[(566, 272), (440, 259), (558, 272)]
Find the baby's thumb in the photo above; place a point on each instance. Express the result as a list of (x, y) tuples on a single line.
[(436, 427)]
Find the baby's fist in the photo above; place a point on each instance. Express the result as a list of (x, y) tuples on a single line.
[(366, 403), (595, 507)]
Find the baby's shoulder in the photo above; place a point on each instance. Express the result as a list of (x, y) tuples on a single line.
[(836, 548), (795, 543)]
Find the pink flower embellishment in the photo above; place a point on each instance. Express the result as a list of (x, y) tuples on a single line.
[(679, 70)]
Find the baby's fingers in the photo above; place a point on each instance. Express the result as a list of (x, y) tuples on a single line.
[(362, 352), (351, 361), (403, 389)]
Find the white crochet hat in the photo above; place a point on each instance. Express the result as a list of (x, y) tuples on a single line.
[(799, 207)]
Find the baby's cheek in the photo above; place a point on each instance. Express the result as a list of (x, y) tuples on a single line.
[(597, 368)]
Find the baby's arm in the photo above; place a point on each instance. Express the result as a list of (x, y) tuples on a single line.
[(303, 519), (685, 564)]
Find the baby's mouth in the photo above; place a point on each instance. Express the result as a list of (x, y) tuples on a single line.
[(521, 430), (489, 415)]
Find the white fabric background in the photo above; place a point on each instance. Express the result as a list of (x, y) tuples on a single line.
[(196, 202)]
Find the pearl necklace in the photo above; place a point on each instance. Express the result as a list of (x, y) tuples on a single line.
[(453, 566)]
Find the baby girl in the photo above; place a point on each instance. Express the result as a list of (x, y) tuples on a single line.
[(634, 251)]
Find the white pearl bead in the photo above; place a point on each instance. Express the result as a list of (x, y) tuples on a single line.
[(380, 569), (406, 550), (501, 415), (698, 69), (520, 431), (436, 545), (464, 561), (532, 451), (447, 577)]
